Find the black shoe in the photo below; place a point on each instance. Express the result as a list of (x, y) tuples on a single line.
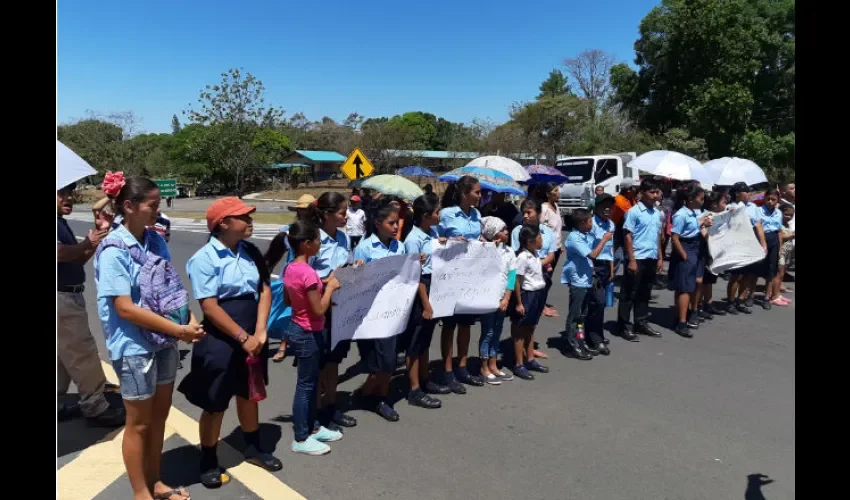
[(628, 333), (606, 340), (742, 307), (732, 308), (387, 411), (523, 373), (645, 329), (714, 310), (535, 365), (749, 302), (766, 305), (262, 459), (342, 419), (578, 352), (422, 400), (683, 330), (68, 411), (603, 350), (435, 388), (693, 320), (593, 351), (112, 417), (467, 378), (453, 385), (215, 477), (704, 314)]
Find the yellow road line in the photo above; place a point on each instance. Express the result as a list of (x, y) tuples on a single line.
[(101, 464)]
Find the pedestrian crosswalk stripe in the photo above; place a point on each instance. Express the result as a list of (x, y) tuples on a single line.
[(102, 464)]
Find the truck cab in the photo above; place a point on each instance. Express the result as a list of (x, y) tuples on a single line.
[(584, 173)]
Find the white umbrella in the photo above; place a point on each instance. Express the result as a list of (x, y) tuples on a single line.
[(501, 164), (70, 167), (727, 171), (671, 164)]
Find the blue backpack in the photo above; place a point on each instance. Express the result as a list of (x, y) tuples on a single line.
[(162, 292), (280, 314)]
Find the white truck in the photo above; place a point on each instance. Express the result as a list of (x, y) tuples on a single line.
[(584, 173)]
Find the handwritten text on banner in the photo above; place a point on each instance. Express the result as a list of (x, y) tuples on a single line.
[(466, 278)]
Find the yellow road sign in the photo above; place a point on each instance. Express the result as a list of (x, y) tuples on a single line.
[(357, 165)]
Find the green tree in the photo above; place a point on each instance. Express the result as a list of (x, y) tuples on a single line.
[(175, 124), (723, 70), (234, 110), (96, 141), (555, 85), (553, 121)]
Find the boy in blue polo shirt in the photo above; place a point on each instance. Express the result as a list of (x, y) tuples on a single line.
[(642, 242), (582, 247)]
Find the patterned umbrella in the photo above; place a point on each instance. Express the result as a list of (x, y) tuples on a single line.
[(416, 171), (393, 185), (493, 180), (502, 164), (545, 173)]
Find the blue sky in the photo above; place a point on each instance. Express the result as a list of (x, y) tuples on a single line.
[(459, 59)]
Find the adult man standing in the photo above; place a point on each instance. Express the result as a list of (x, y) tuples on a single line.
[(76, 350), (642, 251)]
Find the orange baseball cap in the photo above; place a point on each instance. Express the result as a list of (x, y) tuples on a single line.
[(228, 206)]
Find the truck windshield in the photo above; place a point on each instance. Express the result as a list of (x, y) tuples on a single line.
[(577, 170)]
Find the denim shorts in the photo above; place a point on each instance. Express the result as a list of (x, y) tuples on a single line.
[(139, 375)]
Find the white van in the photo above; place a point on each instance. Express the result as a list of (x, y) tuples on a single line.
[(584, 173)]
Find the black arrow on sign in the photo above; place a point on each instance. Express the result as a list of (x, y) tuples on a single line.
[(358, 172)]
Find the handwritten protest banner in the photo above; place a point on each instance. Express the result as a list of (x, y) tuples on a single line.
[(466, 278), (375, 299), (732, 242)]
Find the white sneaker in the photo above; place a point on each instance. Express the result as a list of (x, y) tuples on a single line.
[(310, 447), (493, 380)]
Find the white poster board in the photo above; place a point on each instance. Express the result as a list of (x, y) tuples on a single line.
[(732, 242), (466, 278), (374, 300)]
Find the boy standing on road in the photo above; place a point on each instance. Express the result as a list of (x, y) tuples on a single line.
[(642, 250), (76, 350)]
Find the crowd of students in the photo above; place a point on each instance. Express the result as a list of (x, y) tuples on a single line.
[(144, 314)]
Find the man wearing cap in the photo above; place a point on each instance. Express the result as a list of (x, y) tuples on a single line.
[(742, 281), (78, 360), (355, 226), (623, 202)]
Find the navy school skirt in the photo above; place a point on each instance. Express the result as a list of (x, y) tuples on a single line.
[(378, 355), (533, 301), (218, 371), (416, 339), (338, 353), (770, 264), (682, 275)]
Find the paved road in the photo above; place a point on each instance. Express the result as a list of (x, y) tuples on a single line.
[(667, 418)]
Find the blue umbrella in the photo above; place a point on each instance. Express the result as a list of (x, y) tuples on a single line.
[(416, 171), (545, 173), (493, 180)]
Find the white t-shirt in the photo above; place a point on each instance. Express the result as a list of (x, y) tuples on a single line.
[(528, 266), (356, 222), (508, 258)]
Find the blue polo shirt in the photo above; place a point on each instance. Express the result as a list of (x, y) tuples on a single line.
[(116, 274), (333, 253), (771, 222), (216, 271), (578, 270), (418, 242), (600, 227), (548, 240), (754, 211), (686, 223), (371, 249), (454, 223), (645, 225)]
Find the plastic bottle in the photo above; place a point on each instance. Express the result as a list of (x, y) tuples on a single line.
[(609, 294), (580, 332), (256, 385)]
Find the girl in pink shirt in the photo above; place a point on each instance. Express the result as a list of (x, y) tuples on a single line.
[(310, 300)]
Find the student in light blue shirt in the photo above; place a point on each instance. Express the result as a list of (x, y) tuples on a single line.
[(642, 240), (459, 218), (686, 263), (603, 274), (416, 339), (771, 221), (582, 248), (146, 364), (742, 281), (231, 281), (378, 356)]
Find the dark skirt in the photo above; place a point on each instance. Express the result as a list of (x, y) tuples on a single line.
[(338, 353), (218, 371), (378, 355), (533, 302), (770, 264), (416, 339), (682, 276)]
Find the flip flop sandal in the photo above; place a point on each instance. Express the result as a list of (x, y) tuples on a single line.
[(166, 495), (278, 357), (215, 478)]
